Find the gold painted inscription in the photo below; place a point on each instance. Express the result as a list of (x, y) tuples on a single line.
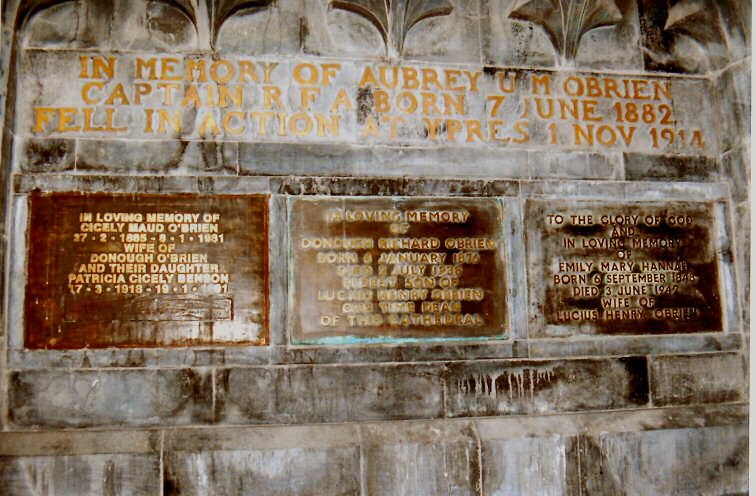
[(158, 96), (386, 269)]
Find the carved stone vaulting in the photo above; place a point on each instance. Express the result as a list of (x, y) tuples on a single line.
[(375, 247)]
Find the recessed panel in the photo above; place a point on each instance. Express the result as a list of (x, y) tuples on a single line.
[(622, 268), (146, 270), (392, 269)]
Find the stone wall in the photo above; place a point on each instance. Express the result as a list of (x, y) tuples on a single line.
[(527, 109)]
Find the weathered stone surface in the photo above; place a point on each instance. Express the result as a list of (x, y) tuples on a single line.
[(736, 19), (575, 165), (278, 263), (529, 387), (169, 156), (80, 442), (261, 437), (210, 157), (640, 167), (518, 427), (110, 397), (682, 37), (634, 345), (733, 89), (545, 466), (326, 159), (681, 461), (736, 170), (629, 191), (54, 155), (137, 358), (519, 33), (120, 24), (276, 28), (690, 379), (389, 186), (25, 183), (84, 475), (290, 472), (328, 394), (440, 32), (435, 459), (743, 252), (404, 352)]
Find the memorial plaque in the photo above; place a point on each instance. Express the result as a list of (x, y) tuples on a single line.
[(622, 268), (114, 270), (380, 269)]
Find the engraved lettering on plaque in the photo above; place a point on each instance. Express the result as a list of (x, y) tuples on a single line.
[(610, 268), (373, 269), (146, 270)]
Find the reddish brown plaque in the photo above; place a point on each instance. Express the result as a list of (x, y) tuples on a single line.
[(622, 268), (107, 270), (390, 269)]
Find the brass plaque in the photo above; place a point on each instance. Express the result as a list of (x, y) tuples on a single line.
[(114, 270), (391, 269), (622, 268)]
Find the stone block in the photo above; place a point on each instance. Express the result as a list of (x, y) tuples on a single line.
[(404, 352), (327, 159), (26, 183), (682, 38), (575, 165), (736, 170), (743, 253), (280, 472), (291, 460), (443, 34), (168, 157), (82, 475), (695, 461), (584, 281), (634, 345), (38, 443), (390, 186), (690, 379), (303, 394), (210, 157), (435, 458), (45, 155), (639, 167), (517, 427), (525, 40), (531, 387), (90, 398), (544, 466)]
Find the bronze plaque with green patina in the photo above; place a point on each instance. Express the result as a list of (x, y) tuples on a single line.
[(622, 268), (115, 270), (392, 269)]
